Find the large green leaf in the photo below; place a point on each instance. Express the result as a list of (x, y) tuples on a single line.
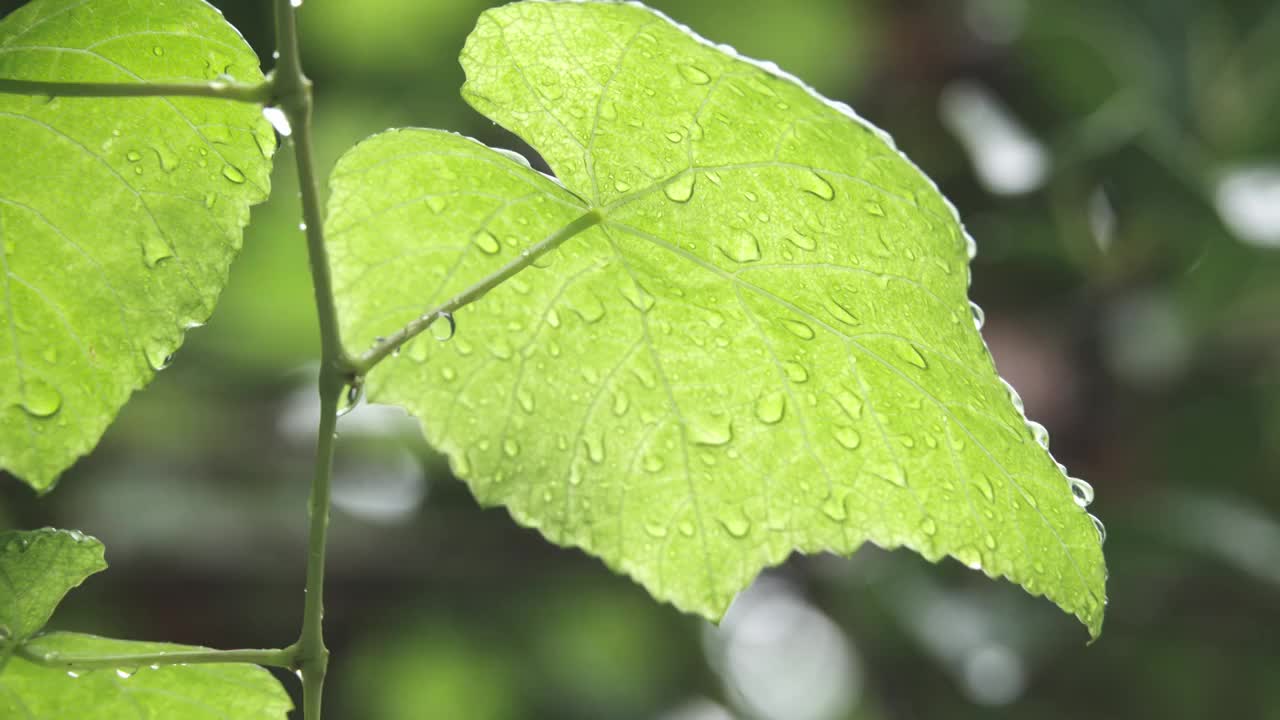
[(766, 346), (169, 692), (37, 568), (118, 217)]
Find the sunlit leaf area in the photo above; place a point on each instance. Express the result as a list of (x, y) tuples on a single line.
[(1118, 165)]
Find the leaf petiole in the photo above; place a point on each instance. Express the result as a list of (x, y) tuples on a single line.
[(259, 93), (281, 658)]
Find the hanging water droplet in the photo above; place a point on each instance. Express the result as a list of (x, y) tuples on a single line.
[(295, 3), (816, 185), (1102, 529), (680, 189), (979, 317), (771, 407), (486, 241), (1081, 492), (158, 355), (39, 398), (693, 74), (278, 119), (1039, 433), (1014, 397), (351, 398), (444, 327), (232, 173)]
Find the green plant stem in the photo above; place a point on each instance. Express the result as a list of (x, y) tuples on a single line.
[(281, 658), (312, 656), (242, 92), (390, 344), (293, 95)]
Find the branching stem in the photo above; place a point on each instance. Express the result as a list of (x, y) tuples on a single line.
[(293, 95)]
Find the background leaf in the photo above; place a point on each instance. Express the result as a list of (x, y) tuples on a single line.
[(766, 347), (118, 217), (37, 568), (170, 692)]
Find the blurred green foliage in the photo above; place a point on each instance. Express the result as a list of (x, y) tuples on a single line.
[(1129, 266)]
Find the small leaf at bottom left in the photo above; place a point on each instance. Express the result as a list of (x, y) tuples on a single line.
[(167, 692)]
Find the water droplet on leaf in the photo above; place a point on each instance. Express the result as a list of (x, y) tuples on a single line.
[(742, 247), (486, 241), (734, 522), (693, 74), (816, 185), (680, 189), (39, 398), (799, 329), (847, 437), (594, 442), (232, 173), (771, 407), (711, 430), (796, 372)]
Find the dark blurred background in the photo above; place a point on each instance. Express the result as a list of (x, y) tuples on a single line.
[(1119, 166)]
